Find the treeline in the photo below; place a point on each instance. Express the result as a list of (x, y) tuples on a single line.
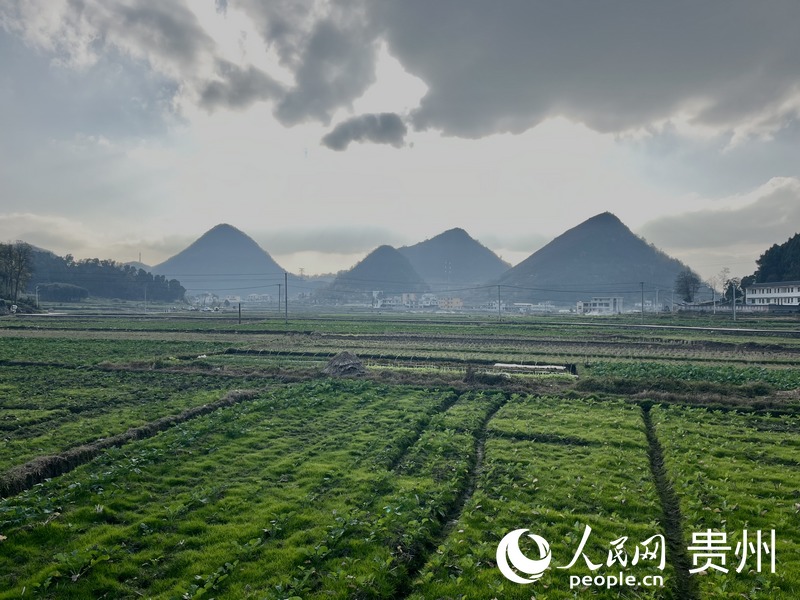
[(100, 278), (779, 263), (61, 292)]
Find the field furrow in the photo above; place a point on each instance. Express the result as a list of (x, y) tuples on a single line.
[(553, 467), (735, 472)]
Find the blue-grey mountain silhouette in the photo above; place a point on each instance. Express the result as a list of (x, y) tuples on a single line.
[(225, 261), (453, 259)]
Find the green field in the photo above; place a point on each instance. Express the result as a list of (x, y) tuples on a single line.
[(168, 457)]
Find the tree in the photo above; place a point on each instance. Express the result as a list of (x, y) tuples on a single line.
[(15, 269), (733, 286), (780, 262), (687, 283)]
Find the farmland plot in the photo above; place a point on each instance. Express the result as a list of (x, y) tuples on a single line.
[(372, 489), (781, 378), (554, 467), (735, 472), (46, 410), (311, 490)]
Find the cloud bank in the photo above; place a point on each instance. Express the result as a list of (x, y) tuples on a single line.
[(773, 214), (729, 66), (734, 234)]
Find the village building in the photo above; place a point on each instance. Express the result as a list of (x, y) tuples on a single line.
[(611, 305), (777, 293)]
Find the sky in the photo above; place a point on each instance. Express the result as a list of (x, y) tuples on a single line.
[(325, 128)]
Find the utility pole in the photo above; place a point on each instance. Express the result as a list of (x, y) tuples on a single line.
[(733, 299), (279, 297), (642, 284), (499, 315), (286, 297), (240, 313), (713, 300)]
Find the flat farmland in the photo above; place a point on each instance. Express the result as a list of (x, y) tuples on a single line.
[(166, 457)]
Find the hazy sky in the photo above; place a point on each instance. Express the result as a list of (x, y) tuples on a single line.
[(325, 128)]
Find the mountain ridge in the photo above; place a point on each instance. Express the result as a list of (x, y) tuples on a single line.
[(384, 269), (599, 257), (225, 261), (454, 258)]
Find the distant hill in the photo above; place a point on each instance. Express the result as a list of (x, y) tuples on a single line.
[(781, 262), (383, 270), (454, 259), (599, 257), (225, 261)]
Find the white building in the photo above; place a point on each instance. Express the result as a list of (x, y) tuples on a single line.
[(493, 305), (266, 298), (428, 301), (529, 308), (781, 293), (611, 305)]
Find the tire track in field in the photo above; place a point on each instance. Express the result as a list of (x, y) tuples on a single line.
[(419, 430), (684, 587), (453, 513), (25, 476)]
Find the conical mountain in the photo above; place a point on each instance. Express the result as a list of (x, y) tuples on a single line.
[(454, 258), (224, 261), (384, 270), (599, 257)]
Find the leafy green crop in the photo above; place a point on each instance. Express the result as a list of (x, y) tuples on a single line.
[(733, 473)]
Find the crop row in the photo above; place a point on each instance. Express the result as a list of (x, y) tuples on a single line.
[(49, 409), (100, 349), (781, 378), (371, 323)]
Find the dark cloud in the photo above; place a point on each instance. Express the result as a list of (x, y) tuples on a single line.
[(384, 128), (489, 68), (238, 88), (168, 28), (79, 33), (492, 68), (285, 25), (337, 66), (770, 219)]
